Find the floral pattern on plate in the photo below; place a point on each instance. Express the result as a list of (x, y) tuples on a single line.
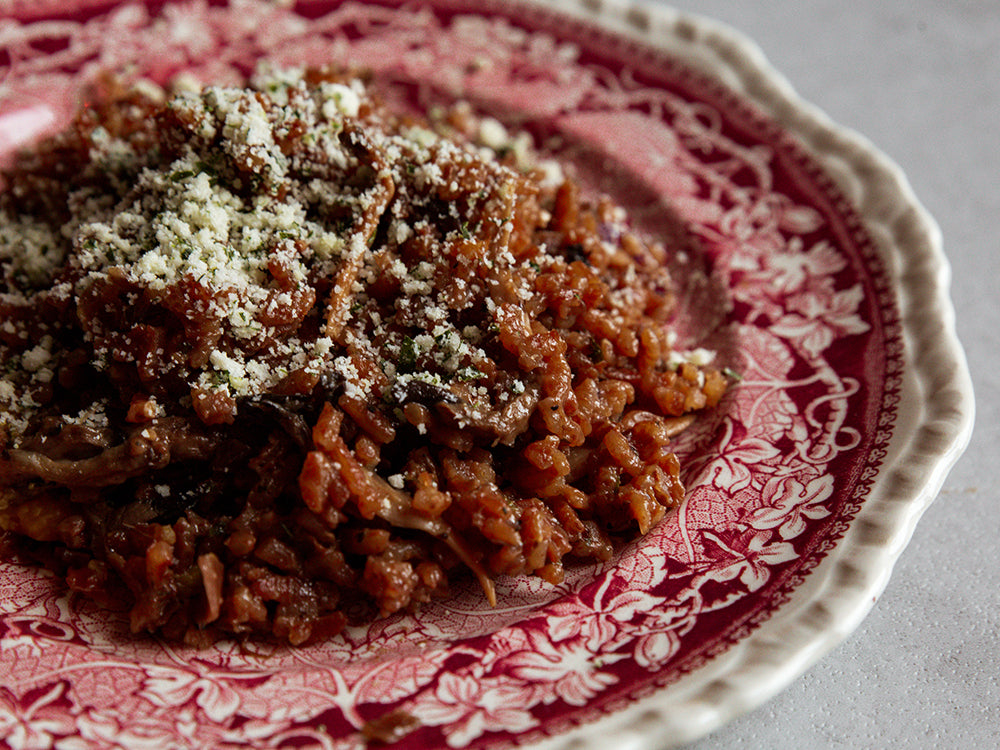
[(776, 272)]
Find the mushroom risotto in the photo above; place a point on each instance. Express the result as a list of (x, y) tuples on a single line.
[(275, 358)]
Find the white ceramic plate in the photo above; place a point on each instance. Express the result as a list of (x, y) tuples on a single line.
[(804, 259)]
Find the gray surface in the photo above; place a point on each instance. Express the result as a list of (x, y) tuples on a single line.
[(922, 81)]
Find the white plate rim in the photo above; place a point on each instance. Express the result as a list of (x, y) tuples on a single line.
[(936, 408)]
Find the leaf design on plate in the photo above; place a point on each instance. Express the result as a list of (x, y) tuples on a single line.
[(394, 680), (773, 477)]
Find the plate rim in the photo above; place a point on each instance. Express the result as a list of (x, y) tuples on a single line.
[(843, 588)]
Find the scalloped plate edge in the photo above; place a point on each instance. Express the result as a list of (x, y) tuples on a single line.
[(937, 403)]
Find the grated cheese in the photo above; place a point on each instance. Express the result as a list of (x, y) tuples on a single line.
[(244, 225)]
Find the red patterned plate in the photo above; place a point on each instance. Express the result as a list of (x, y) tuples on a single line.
[(804, 483)]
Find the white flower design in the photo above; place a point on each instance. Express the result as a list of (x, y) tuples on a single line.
[(569, 671), (791, 268), (598, 621), (471, 706), (791, 503), (747, 559), (173, 687), (35, 725), (741, 462), (820, 315)]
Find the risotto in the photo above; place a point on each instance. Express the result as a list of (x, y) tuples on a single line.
[(275, 359)]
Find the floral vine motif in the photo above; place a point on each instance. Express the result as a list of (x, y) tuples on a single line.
[(35, 719), (763, 474)]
